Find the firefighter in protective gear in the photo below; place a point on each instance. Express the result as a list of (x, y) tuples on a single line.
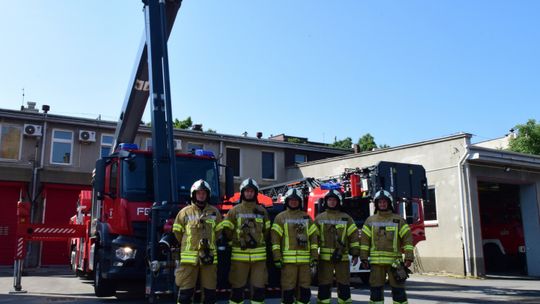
[(247, 227), (195, 227), (384, 236), (338, 237), (294, 248)]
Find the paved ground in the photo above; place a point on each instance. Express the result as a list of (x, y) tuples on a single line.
[(60, 286)]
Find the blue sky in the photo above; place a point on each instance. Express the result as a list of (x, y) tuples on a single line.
[(403, 71)]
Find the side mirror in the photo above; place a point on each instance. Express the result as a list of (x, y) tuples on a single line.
[(229, 182), (99, 178)]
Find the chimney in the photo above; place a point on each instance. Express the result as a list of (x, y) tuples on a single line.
[(356, 148), (197, 127), (259, 135)]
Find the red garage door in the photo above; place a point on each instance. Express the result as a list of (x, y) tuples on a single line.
[(9, 196), (60, 205)]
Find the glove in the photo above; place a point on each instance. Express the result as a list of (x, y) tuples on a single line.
[(278, 264), (313, 263), (365, 264), (408, 263)]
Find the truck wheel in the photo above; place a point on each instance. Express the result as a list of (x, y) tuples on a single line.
[(102, 287)]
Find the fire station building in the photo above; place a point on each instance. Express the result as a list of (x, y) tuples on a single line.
[(48, 159), (482, 215), (483, 210)]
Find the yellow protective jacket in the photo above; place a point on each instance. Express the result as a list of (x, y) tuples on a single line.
[(294, 237), (337, 230), (191, 226), (247, 222), (384, 236)]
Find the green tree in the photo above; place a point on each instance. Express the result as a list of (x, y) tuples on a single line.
[(367, 142), (211, 130), (384, 146), (343, 144), (294, 140), (183, 124), (527, 139)]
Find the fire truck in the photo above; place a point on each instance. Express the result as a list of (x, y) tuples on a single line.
[(137, 194), (406, 182)]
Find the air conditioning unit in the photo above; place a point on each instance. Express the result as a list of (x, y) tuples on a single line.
[(177, 145), (32, 130), (87, 136)]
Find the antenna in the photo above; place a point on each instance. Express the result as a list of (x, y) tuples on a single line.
[(22, 103)]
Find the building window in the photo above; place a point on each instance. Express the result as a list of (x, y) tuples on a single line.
[(107, 142), (233, 160), (191, 147), (268, 165), (300, 158), (62, 147), (10, 142), (148, 144), (430, 206)]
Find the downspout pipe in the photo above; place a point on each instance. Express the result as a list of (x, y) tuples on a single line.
[(463, 186)]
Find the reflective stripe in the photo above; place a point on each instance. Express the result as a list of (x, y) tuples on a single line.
[(396, 302), (352, 228), (233, 302), (314, 246), (333, 222), (367, 230), (250, 215), (312, 229), (225, 224), (277, 229), (354, 244), (404, 230), (248, 255), (364, 247), (322, 233), (385, 253), (286, 237), (340, 301), (383, 224), (178, 227), (267, 226), (408, 247), (376, 302), (276, 247), (325, 301), (382, 260)]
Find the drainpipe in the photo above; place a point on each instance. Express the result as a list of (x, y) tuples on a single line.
[(463, 200)]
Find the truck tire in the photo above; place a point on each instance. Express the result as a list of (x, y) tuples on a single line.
[(102, 287)]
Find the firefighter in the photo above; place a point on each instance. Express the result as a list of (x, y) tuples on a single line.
[(384, 236), (338, 237), (195, 227), (294, 248), (247, 227)]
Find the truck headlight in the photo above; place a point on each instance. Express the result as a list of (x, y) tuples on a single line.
[(125, 253)]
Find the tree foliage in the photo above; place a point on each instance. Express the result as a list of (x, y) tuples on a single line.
[(343, 144), (183, 124), (367, 142), (527, 139)]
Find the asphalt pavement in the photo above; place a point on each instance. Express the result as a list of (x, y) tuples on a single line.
[(59, 285)]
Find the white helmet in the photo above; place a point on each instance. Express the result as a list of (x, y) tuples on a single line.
[(200, 185), (383, 194), (333, 193), (248, 183), (294, 193)]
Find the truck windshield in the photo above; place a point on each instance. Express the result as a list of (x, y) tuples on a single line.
[(137, 177)]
